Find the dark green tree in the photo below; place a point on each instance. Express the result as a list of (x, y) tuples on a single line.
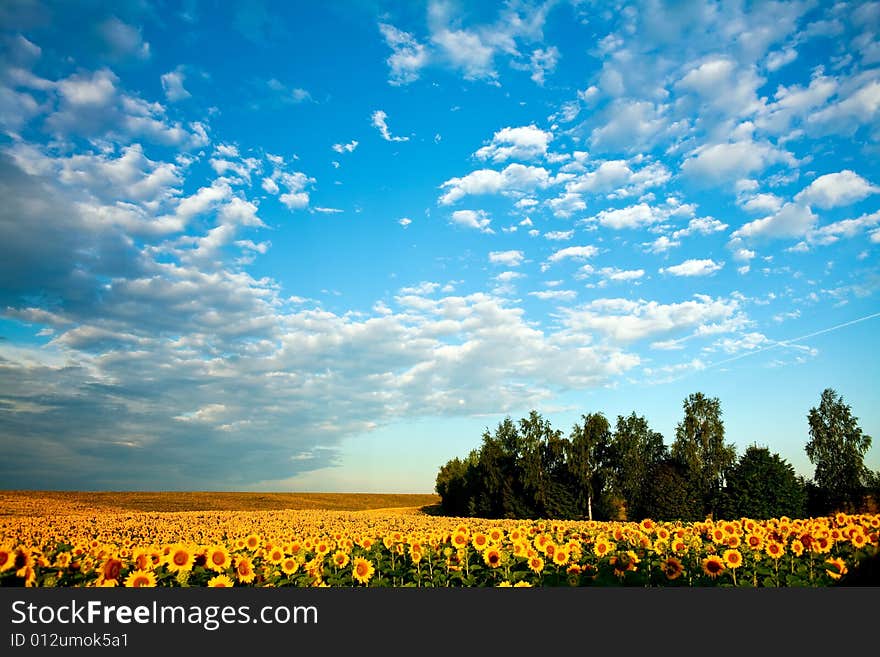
[(762, 485), (837, 448), (634, 450), (699, 445), (670, 495), (587, 460)]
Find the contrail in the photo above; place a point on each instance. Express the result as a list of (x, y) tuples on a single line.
[(785, 343)]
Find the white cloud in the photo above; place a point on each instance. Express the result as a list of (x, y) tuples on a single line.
[(559, 235), (573, 252), (779, 58), (629, 125), (124, 39), (405, 221), (346, 148), (379, 120), (507, 258), (626, 320), (543, 61), (846, 115), (848, 228), (172, 85), (634, 216), (408, 56), (661, 245), (762, 203), (693, 267), (836, 189), (477, 219), (523, 143), (701, 225), (554, 295), (513, 179), (792, 220), (729, 161)]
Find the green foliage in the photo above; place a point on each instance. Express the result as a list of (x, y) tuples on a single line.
[(634, 451), (670, 493), (762, 485), (699, 445), (837, 448)]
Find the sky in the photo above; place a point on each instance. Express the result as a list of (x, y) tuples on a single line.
[(325, 246)]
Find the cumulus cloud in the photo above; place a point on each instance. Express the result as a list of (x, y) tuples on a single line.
[(172, 85), (346, 148), (792, 220), (507, 258), (572, 252), (542, 62), (715, 163), (477, 219), (515, 179), (123, 39), (379, 121), (836, 189), (626, 320), (524, 143), (693, 267), (408, 56)]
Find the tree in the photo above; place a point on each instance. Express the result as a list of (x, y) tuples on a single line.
[(587, 459), (669, 493), (634, 450), (762, 485), (699, 445), (837, 448)]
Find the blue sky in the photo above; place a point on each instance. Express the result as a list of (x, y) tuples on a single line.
[(290, 246)]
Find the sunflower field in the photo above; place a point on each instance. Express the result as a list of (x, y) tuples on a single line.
[(391, 548)]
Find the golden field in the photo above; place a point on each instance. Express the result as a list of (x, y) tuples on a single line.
[(145, 539)]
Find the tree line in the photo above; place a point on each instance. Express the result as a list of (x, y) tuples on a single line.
[(528, 469)]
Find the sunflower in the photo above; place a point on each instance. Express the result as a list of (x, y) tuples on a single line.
[(755, 542), (275, 556), (536, 564), (560, 556), (217, 558), (733, 559), (602, 547), (180, 558), (672, 568), (480, 541), (496, 534), (459, 540), (713, 565), (221, 582), (289, 566), (774, 549), (822, 544), (340, 559), (140, 579), (838, 568), (492, 557), (111, 569), (244, 570), (858, 539), (797, 548), (362, 570)]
